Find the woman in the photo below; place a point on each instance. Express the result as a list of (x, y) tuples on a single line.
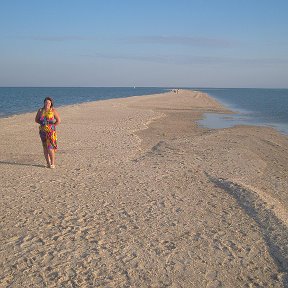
[(48, 118)]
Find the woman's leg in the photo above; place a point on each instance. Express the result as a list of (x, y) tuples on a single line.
[(46, 154), (51, 155)]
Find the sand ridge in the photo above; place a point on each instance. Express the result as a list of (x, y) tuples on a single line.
[(142, 197)]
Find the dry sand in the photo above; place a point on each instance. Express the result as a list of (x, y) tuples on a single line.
[(142, 197)]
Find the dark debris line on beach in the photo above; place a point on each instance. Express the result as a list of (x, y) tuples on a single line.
[(274, 231)]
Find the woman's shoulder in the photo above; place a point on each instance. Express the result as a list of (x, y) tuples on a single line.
[(54, 111)]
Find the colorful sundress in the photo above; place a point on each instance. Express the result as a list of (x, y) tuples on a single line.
[(47, 129)]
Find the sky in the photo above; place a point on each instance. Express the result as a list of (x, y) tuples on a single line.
[(165, 43)]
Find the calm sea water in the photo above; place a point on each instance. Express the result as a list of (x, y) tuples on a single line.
[(267, 107), (17, 100), (264, 107)]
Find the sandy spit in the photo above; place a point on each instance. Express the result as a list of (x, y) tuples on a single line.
[(143, 197)]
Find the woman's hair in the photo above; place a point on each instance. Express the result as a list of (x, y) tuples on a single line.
[(50, 99)]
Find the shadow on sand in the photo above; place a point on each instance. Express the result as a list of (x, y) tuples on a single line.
[(274, 231), (21, 164)]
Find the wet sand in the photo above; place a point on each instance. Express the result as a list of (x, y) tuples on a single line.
[(143, 197)]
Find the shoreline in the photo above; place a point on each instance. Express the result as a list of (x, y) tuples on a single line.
[(30, 97), (210, 121), (142, 196)]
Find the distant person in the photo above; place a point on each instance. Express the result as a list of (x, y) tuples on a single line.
[(48, 118)]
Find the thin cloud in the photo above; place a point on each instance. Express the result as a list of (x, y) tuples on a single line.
[(162, 40), (62, 38), (191, 60), (179, 40)]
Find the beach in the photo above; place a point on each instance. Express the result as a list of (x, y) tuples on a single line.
[(143, 197)]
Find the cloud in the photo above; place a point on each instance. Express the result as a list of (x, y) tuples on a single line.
[(192, 60), (62, 38), (162, 40), (179, 40)]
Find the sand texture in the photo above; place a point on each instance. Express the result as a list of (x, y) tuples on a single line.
[(143, 197)]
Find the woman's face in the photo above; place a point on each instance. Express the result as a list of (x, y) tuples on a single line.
[(47, 104)]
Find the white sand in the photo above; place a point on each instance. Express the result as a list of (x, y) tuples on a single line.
[(142, 197)]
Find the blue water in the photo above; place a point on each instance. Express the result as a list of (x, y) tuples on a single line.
[(267, 107), (264, 107), (17, 100)]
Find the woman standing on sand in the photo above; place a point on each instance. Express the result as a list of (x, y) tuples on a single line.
[(48, 118)]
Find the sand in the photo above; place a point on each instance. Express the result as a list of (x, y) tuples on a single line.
[(143, 197)]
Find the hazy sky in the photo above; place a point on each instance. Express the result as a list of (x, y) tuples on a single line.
[(204, 43)]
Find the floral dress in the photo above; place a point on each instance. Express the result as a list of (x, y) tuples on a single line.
[(47, 129)]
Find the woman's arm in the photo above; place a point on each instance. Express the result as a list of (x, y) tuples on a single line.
[(37, 118), (57, 117)]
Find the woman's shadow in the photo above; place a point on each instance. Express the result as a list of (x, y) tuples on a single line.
[(21, 164)]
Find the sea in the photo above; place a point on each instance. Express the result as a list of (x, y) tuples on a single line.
[(17, 100), (261, 107)]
